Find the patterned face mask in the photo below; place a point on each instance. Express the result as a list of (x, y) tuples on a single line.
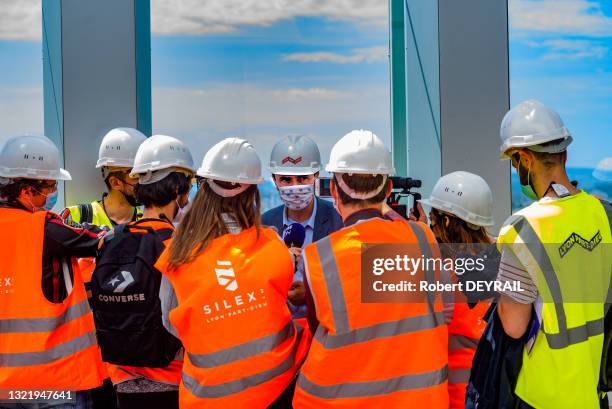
[(296, 197)]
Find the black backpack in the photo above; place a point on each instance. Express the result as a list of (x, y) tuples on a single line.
[(126, 305)]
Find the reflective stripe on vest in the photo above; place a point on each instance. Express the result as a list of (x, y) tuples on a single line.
[(243, 351), (344, 335), (459, 375), (374, 388), (44, 324), (456, 341), (239, 385), (566, 336), (71, 347)]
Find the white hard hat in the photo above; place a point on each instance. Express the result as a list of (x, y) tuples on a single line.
[(530, 124), (232, 160), (31, 157), (118, 147), (360, 152), (161, 153), (295, 155), (464, 195)]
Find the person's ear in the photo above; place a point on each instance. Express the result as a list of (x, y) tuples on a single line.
[(527, 158), (114, 182), (446, 221)]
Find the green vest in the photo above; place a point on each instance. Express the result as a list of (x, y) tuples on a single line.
[(565, 245), (99, 217)]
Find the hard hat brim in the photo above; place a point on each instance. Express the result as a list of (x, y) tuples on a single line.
[(293, 171), (255, 181), (64, 175), (459, 212), (556, 148)]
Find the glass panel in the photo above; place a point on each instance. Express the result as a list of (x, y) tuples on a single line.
[(21, 79), (255, 70), (560, 55)]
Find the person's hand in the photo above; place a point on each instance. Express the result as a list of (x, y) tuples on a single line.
[(296, 251), (297, 293), (422, 218)]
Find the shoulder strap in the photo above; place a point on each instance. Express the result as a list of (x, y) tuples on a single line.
[(86, 211), (164, 234)]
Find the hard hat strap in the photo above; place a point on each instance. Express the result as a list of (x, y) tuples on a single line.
[(358, 195)]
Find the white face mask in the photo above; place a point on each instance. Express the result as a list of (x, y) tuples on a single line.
[(296, 197), (181, 212)]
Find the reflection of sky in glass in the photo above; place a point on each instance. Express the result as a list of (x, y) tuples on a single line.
[(248, 68), (560, 54), (306, 71)]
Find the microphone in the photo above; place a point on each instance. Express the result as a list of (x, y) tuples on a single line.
[(294, 235)]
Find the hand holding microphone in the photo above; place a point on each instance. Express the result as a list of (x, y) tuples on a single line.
[(294, 236)]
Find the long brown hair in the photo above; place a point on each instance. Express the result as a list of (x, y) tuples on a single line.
[(204, 222), (458, 232)]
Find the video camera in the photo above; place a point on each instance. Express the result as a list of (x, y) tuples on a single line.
[(402, 187)]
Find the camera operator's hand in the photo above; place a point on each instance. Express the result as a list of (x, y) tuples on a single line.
[(297, 293), (296, 251), (422, 217)]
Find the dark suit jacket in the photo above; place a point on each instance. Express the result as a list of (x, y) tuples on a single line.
[(327, 219)]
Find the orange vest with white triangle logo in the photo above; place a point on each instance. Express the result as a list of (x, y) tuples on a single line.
[(241, 347)]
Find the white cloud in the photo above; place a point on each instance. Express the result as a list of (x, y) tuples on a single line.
[(262, 115), (360, 55), (20, 20), (565, 49), (574, 17), (221, 16)]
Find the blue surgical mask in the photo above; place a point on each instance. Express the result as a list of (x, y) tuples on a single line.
[(50, 201)]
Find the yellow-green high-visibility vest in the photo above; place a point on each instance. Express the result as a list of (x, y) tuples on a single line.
[(98, 215), (565, 245)]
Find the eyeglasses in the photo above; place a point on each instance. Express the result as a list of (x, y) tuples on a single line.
[(52, 187)]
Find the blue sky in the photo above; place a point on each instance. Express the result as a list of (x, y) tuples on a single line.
[(256, 69)]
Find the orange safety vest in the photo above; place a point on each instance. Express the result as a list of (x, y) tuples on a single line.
[(464, 332), (241, 347), (370, 355), (172, 373), (42, 344)]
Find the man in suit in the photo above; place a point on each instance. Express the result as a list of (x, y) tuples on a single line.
[(295, 163)]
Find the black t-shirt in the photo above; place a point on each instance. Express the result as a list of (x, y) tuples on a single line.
[(61, 243)]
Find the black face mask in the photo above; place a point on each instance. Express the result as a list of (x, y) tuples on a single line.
[(131, 199)]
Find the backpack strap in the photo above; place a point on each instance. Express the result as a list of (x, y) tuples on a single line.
[(86, 211), (164, 234), (118, 230)]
